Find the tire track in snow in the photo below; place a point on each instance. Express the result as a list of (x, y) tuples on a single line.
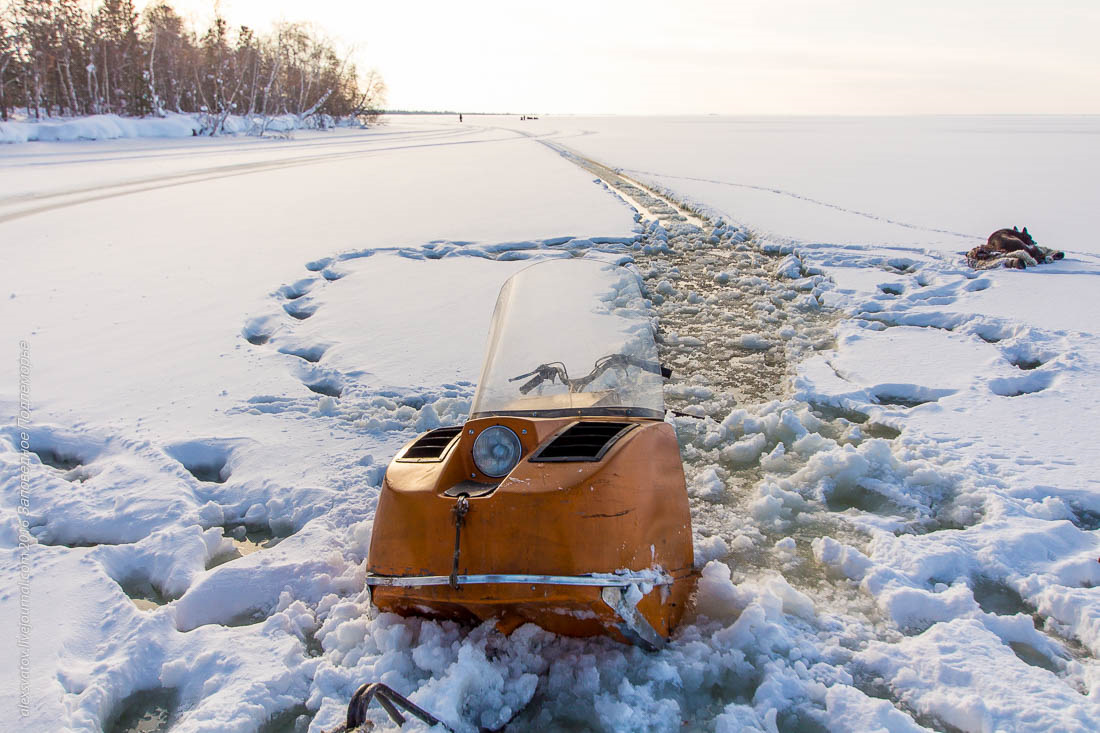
[(216, 146), (809, 200), (153, 183)]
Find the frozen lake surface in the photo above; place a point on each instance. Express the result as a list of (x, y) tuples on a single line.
[(892, 461), (919, 181)]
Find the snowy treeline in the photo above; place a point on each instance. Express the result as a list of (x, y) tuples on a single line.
[(56, 58)]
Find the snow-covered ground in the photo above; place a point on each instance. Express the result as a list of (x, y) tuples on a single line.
[(24, 129), (893, 464)]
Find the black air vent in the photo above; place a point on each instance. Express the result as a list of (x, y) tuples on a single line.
[(583, 441), (431, 445)]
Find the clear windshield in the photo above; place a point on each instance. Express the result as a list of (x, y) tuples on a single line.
[(571, 337)]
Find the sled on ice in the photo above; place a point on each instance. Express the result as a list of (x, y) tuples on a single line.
[(561, 501)]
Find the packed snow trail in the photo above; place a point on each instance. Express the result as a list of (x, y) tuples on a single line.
[(27, 204), (807, 199)]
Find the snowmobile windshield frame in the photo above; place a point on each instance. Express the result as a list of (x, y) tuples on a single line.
[(571, 337)]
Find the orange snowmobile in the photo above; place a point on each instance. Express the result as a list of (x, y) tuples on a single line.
[(561, 501)]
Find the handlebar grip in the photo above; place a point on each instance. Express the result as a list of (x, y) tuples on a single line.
[(530, 384)]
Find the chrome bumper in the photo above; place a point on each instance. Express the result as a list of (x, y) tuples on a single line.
[(613, 592), (617, 580)]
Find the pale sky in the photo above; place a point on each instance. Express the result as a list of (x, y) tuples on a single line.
[(708, 56)]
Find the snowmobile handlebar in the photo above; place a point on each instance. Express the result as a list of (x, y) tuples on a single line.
[(557, 371), (553, 371)]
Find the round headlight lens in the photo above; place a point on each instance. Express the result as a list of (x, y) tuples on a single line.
[(497, 451)]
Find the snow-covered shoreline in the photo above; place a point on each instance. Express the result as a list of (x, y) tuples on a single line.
[(115, 127), (901, 535)]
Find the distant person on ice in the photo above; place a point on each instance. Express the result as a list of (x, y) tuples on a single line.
[(460, 117)]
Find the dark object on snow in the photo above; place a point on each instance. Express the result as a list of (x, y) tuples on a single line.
[(391, 701), (1010, 248)]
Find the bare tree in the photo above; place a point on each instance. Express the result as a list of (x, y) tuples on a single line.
[(69, 23), (35, 30), (8, 50), (370, 98), (171, 52), (117, 58)]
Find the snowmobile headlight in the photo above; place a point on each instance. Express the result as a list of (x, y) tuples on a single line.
[(497, 451)]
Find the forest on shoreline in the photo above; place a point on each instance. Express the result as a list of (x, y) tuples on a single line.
[(58, 59)]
